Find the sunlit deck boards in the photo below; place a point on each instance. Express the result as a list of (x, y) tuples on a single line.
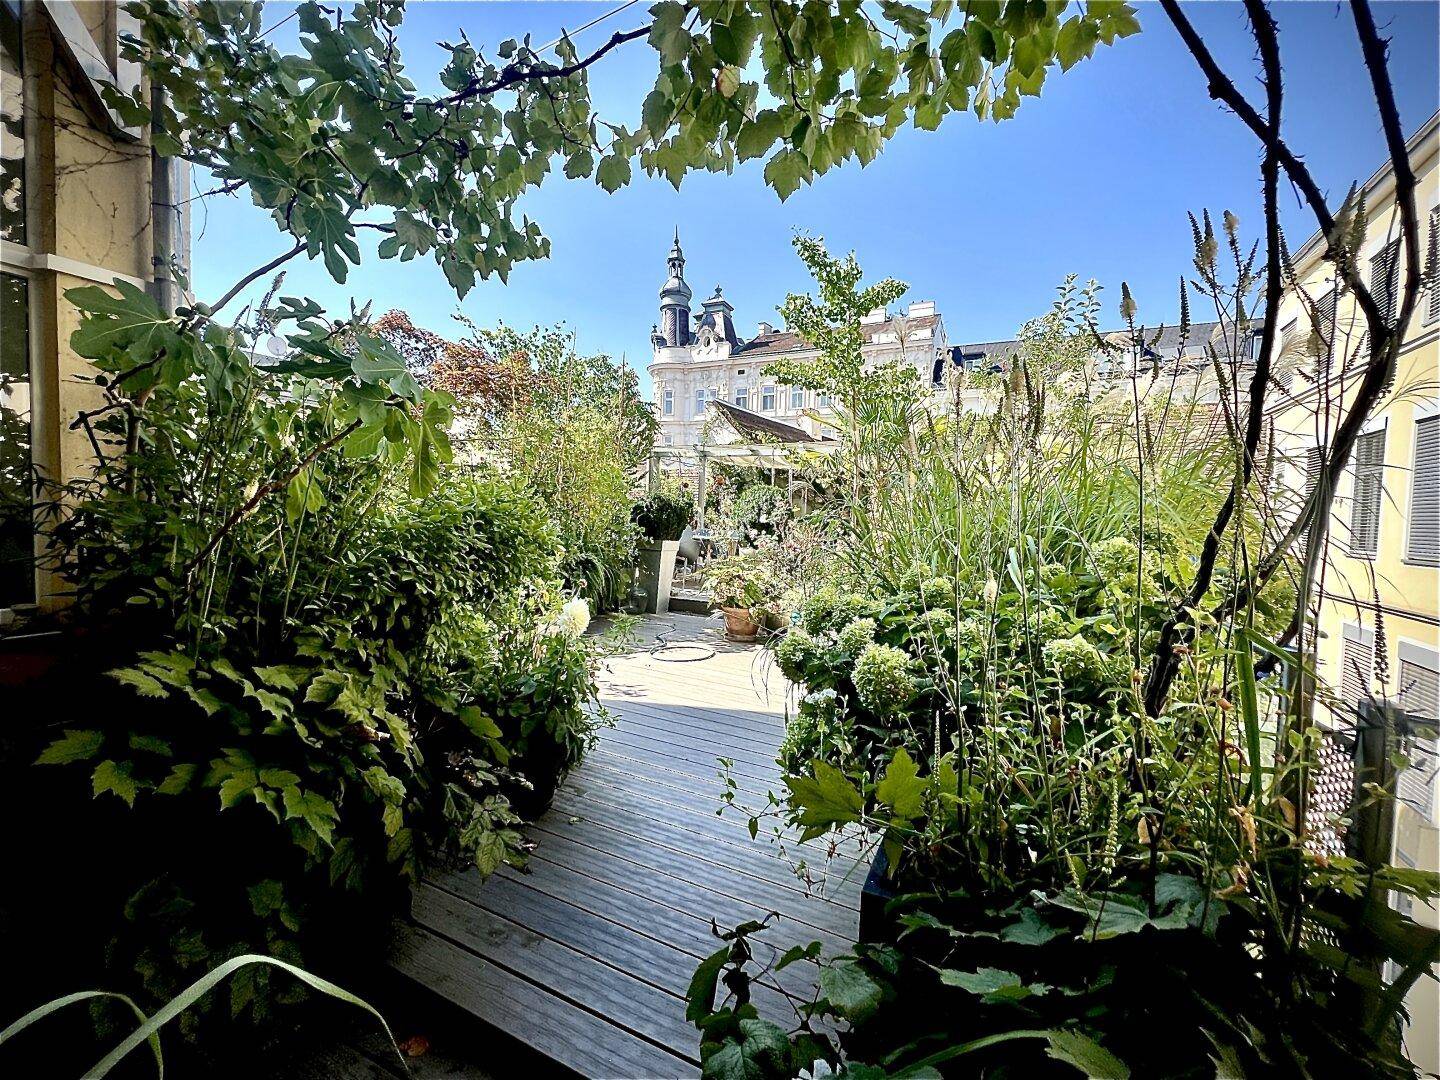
[(586, 957)]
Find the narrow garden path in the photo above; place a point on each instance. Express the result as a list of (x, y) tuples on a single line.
[(586, 957)]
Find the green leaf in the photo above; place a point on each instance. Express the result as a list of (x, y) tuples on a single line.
[(114, 777), (701, 993), (77, 744), (328, 232), (730, 1063), (992, 984), (142, 683), (184, 1000), (180, 778), (1030, 930), (40, 1013), (132, 320), (853, 993), (312, 808), (151, 744), (614, 172), (489, 853), (1085, 1054), (784, 172), (758, 135), (901, 789), (826, 799)]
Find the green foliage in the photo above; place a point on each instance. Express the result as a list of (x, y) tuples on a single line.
[(741, 581), (320, 695), (882, 683), (1057, 850), (663, 514), (336, 137), (149, 1030)]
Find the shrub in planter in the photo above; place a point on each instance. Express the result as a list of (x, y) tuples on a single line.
[(302, 743), (530, 680), (662, 515), (741, 585)]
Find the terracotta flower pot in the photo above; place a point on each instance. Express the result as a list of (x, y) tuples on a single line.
[(740, 624)]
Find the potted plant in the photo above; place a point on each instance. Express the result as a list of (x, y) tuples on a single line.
[(661, 517), (740, 586)]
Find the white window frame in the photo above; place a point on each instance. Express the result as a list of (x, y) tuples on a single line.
[(667, 402), (767, 392), (797, 397), (741, 397)]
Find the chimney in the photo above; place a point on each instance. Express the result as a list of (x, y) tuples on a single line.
[(765, 330), (877, 315), (921, 308)]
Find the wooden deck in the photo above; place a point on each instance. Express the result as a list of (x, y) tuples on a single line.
[(585, 957)]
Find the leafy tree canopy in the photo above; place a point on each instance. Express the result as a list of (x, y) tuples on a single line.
[(336, 138)]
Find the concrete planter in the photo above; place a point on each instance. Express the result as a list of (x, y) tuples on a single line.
[(657, 570)]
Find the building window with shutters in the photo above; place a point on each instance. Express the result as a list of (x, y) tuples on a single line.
[(1324, 323), (1431, 306), (1384, 278), (1422, 540), (1357, 664), (1419, 696), (1369, 491), (767, 399)]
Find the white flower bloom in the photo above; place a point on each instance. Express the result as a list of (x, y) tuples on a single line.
[(992, 589), (574, 617)]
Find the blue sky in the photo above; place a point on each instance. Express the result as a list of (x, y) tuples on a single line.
[(1094, 177)]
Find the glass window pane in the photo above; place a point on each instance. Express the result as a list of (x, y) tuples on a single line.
[(17, 580), (12, 126)]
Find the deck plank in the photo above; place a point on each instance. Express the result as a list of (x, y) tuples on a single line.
[(586, 955)]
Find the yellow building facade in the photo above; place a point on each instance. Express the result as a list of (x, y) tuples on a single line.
[(1379, 610), (84, 201)]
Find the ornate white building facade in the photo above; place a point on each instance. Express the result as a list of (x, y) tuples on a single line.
[(699, 358)]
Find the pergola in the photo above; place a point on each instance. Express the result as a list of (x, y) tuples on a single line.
[(777, 457)]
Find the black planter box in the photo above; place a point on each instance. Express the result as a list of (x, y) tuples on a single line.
[(877, 926)]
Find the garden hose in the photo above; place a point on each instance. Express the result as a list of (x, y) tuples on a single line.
[(662, 647)]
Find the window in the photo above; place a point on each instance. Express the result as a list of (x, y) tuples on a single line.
[(669, 440), (1369, 473), (1357, 664), (12, 126), (1384, 270), (1420, 697), (797, 397), (1432, 268), (1422, 544), (742, 397), (1314, 462), (767, 399), (17, 574), (822, 399), (667, 402)]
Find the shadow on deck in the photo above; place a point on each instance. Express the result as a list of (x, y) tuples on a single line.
[(585, 957)]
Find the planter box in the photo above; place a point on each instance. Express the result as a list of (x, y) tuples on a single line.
[(657, 571), (876, 925)]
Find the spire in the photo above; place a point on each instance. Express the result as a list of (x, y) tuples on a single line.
[(675, 298)]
